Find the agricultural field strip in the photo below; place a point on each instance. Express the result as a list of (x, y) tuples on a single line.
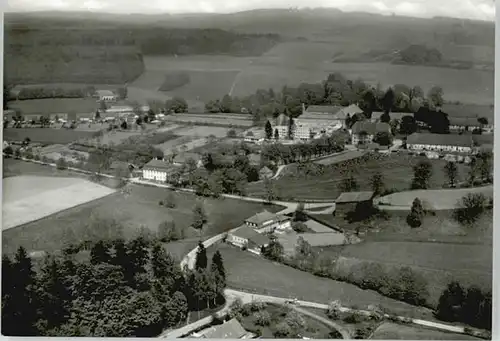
[(39, 205)]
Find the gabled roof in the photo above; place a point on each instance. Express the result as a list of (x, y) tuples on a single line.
[(251, 235), (330, 109), (469, 110), (440, 139), (104, 92), (261, 217), (463, 121), (348, 197), (282, 120), (352, 109), (159, 164), (265, 170), (183, 157), (394, 115), (232, 329), (371, 128)]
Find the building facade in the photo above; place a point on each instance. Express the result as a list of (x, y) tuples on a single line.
[(363, 132), (440, 142), (158, 170), (267, 222)]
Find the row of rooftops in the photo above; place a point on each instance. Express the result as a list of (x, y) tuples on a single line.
[(449, 139)]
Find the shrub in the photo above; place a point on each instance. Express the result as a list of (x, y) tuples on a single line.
[(333, 311), (414, 219), (160, 203), (61, 163), (37, 157), (262, 318), (353, 318), (471, 207), (231, 133), (282, 330)]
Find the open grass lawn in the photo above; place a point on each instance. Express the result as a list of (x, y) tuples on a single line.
[(440, 250), (55, 105), (314, 329), (46, 135), (139, 207), (393, 331), (397, 171), (252, 273)]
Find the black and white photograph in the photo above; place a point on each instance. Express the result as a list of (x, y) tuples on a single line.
[(252, 169)]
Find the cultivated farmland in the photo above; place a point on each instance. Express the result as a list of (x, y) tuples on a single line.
[(137, 207), (202, 131), (393, 331), (252, 273), (28, 198), (55, 105), (46, 135), (212, 119)]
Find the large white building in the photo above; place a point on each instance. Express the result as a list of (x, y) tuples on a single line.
[(158, 170), (440, 142), (267, 222)]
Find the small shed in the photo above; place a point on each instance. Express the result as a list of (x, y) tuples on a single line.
[(265, 173), (348, 201)]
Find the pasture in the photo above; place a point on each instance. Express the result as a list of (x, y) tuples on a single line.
[(393, 331), (211, 119), (252, 273), (182, 144), (46, 135), (340, 157), (322, 182), (202, 131), (442, 199), (55, 105), (139, 206), (292, 63), (29, 198)]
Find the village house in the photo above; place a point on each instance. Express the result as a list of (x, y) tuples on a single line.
[(106, 95), (254, 137), (463, 124), (231, 329), (440, 142), (363, 132), (265, 173), (348, 202), (158, 170), (246, 237), (182, 158), (267, 222)]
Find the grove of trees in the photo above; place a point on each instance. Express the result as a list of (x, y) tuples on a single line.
[(125, 288)]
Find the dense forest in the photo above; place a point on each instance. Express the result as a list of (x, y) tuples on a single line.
[(111, 55), (107, 288)]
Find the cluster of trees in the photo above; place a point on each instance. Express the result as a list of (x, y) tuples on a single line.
[(419, 55), (125, 288), (402, 284), (50, 92), (285, 154), (472, 306), (335, 90)]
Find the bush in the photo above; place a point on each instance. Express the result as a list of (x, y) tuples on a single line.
[(61, 163), (353, 318), (168, 231), (262, 318), (282, 331), (231, 133), (471, 207), (36, 157)]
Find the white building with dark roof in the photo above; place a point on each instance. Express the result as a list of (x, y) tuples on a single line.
[(440, 142), (158, 170), (266, 222)]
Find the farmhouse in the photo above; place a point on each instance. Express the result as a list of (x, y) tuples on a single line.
[(363, 132), (184, 157), (464, 123), (281, 125), (440, 142), (120, 110), (246, 237), (231, 329), (266, 222), (254, 137), (106, 95), (349, 201), (265, 173), (158, 170)]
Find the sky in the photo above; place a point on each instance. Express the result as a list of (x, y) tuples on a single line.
[(469, 9)]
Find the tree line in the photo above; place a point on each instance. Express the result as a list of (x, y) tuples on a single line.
[(335, 90), (124, 288)]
